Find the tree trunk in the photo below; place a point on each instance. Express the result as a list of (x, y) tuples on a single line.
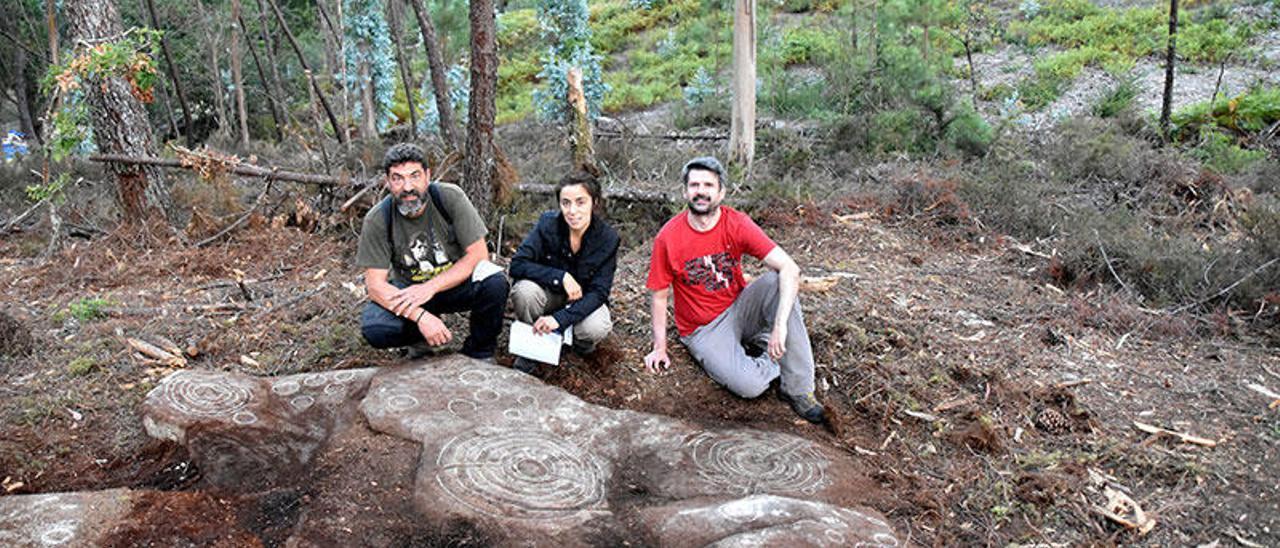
[(368, 122), (1166, 106), (237, 78), (51, 21), (853, 24), (335, 55), (584, 154), (873, 41), (395, 16), (272, 100), (435, 60), (215, 73), (742, 131), (25, 120), (173, 77), (269, 49), (302, 60), (120, 123), (477, 172)]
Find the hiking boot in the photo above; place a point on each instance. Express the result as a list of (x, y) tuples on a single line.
[(524, 365), (805, 405), (418, 351)]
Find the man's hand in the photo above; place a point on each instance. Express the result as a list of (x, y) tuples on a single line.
[(433, 330), (778, 342), (571, 287), (657, 361), (545, 324), (404, 300)]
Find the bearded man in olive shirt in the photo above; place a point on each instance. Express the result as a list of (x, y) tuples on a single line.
[(420, 249)]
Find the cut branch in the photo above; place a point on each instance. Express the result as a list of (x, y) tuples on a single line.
[(247, 170)]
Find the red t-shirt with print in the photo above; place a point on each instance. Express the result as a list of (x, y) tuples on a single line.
[(704, 268)]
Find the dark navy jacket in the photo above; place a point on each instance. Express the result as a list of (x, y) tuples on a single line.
[(545, 256)]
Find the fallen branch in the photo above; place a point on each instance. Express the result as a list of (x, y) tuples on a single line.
[(156, 353), (1227, 289), (666, 137), (1107, 260), (247, 170), (1119, 506), (959, 402), (1183, 436)]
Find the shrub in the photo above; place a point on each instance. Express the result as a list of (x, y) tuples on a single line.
[(88, 309), (1118, 100), (969, 133), (1220, 153)]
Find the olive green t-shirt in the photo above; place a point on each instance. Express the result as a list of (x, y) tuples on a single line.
[(417, 255)]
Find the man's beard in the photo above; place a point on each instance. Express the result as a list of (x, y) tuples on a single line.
[(410, 209), (694, 208)]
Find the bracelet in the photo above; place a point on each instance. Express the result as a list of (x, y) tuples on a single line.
[(420, 313)]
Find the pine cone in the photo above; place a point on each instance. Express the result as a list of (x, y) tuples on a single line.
[(1053, 421)]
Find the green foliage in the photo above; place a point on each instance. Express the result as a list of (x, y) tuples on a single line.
[(804, 45), (1221, 154), (81, 365), (969, 133), (1249, 112), (87, 309), (1118, 99), (51, 190)]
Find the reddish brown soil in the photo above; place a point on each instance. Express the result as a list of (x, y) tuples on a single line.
[(984, 402)]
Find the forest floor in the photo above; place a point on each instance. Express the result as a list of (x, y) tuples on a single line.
[(991, 405)]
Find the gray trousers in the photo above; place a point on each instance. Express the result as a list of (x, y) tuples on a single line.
[(530, 301), (718, 345)]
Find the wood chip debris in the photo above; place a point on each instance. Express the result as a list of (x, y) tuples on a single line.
[(1275, 398), (1183, 436), (922, 416), (1122, 509), (852, 217), (958, 402)]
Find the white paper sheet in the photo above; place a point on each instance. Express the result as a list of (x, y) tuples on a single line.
[(542, 348)]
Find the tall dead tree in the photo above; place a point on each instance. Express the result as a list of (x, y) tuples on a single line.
[(187, 127), (237, 78), (477, 169), (120, 124), (742, 126), (1166, 105), (311, 80), (395, 16), (435, 61)]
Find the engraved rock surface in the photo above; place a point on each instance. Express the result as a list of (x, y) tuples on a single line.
[(504, 459), (119, 517)]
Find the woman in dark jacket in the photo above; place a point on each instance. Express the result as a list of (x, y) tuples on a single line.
[(564, 268)]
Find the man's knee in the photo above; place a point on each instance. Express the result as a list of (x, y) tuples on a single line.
[(380, 327), (494, 288), (747, 387)]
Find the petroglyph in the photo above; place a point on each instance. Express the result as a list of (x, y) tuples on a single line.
[(525, 474), (748, 462)]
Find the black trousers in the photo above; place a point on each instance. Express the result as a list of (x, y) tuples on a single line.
[(485, 300)]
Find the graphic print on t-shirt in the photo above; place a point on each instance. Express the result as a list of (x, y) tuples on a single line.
[(423, 257), (713, 272)]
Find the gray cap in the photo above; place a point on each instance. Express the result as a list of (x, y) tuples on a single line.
[(705, 163)]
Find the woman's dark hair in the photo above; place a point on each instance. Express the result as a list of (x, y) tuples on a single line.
[(588, 182)]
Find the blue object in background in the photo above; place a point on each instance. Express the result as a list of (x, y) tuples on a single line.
[(15, 145)]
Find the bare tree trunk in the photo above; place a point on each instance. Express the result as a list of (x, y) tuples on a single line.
[(302, 60), (1166, 106), (120, 123), (742, 131), (25, 120), (215, 72), (435, 60), (272, 100), (237, 78), (873, 41), (395, 15), (173, 77), (584, 154), (51, 21), (315, 106), (269, 49), (368, 122), (335, 54), (477, 172)]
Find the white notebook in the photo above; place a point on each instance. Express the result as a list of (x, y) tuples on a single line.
[(541, 348)]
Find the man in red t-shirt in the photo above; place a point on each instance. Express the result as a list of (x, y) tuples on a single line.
[(699, 254)]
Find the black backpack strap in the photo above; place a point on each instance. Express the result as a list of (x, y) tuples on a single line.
[(434, 190), (386, 206)]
